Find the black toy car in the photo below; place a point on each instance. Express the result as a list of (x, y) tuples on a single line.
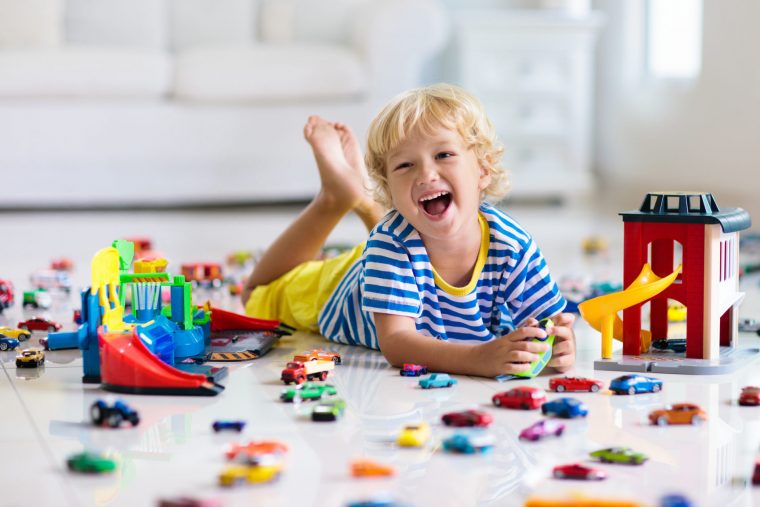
[(104, 415)]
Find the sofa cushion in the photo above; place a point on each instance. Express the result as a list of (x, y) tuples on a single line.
[(129, 23), (212, 22), (284, 21), (30, 23), (87, 72), (269, 72)]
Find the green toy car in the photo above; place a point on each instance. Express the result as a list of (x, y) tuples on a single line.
[(308, 391), (619, 455), (90, 462), (329, 410)]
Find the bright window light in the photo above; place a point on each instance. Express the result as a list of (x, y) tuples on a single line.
[(674, 38)]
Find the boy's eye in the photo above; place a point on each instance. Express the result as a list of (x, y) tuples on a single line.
[(403, 165), (444, 154)]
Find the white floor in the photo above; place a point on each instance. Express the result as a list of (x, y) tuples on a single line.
[(173, 450)]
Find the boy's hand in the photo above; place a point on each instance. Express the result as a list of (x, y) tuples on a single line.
[(511, 353), (563, 353)]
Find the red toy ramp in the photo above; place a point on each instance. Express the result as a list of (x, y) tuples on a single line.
[(127, 366), (222, 320)]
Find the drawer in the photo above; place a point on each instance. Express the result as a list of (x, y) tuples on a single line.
[(530, 117), (539, 157), (500, 71)]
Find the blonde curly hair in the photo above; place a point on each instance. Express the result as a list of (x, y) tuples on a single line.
[(426, 109)]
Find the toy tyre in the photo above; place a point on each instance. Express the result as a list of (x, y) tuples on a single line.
[(655, 388), (51, 329), (560, 388), (559, 474), (662, 421), (631, 390), (3, 346), (96, 412), (134, 419), (497, 402), (696, 420), (323, 375), (23, 337), (114, 419)]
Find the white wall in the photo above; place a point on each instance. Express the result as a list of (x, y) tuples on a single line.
[(703, 135)]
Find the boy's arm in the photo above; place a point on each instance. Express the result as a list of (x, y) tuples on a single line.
[(400, 342)]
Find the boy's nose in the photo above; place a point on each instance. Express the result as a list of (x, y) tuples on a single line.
[(427, 172)]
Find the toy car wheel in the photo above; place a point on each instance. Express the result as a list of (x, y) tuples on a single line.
[(51, 329), (336, 360), (559, 474), (696, 420), (656, 388), (594, 388), (114, 420), (323, 375), (24, 337), (525, 406), (3, 346), (426, 386), (96, 412), (631, 390), (497, 402), (662, 421), (134, 419), (560, 388)]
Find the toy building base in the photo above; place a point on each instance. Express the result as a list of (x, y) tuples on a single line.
[(213, 373), (731, 359)]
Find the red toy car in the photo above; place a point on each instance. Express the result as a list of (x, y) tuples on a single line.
[(750, 396), (578, 471), (39, 324), (524, 397), (412, 370), (756, 474), (571, 384), (467, 418), (62, 264), (6, 294)]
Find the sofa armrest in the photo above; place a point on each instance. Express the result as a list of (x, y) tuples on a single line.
[(396, 37)]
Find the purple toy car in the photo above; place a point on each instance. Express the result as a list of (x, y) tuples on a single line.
[(542, 429)]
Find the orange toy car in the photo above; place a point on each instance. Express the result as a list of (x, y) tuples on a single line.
[(679, 413), (367, 468), (318, 355), (254, 449)]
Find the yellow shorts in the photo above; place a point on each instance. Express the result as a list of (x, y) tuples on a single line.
[(297, 297)]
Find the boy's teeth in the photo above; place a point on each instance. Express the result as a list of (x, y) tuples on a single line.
[(433, 196)]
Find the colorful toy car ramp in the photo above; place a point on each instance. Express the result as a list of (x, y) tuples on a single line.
[(127, 366), (601, 312), (222, 320)]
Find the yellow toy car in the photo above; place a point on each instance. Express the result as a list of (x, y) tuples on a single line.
[(676, 312), (12, 332), (253, 474), (30, 358), (414, 435)]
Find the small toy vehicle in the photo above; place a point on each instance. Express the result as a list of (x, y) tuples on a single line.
[(102, 414), (39, 324), (308, 391), (749, 325), (566, 408), (635, 384), (469, 443), (756, 474), (412, 370), (379, 501), (674, 344), (89, 462), (188, 501), (77, 316), (30, 358), (251, 451), (318, 355), (524, 397), (750, 396), (619, 455), (11, 332), (253, 474), (574, 384), (437, 380), (51, 279), (228, 426), (675, 500), (8, 343), (329, 410), (676, 312), (62, 264), (476, 418), (299, 372), (205, 274), (542, 429), (539, 364), (414, 435), (578, 471), (6, 294), (369, 468), (38, 298), (593, 245), (678, 413)]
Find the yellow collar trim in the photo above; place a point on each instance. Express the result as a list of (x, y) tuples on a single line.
[(485, 243)]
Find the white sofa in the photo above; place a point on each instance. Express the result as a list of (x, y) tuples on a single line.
[(166, 102)]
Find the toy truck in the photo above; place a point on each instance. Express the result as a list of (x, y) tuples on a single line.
[(6, 294), (299, 372)]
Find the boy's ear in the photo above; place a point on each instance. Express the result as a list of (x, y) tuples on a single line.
[(485, 178)]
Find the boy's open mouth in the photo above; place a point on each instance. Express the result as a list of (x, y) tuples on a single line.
[(436, 204)]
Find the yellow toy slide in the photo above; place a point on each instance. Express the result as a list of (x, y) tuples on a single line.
[(601, 312)]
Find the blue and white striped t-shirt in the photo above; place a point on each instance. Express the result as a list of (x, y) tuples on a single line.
[(394, 275)]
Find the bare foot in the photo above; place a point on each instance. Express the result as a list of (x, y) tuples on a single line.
[(343, 184)]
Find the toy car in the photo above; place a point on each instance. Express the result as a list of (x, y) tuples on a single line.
[(30, 358), (437, 380), (467, 418), (368, 468), (88, 462), (578, 471), (50, 279), (11, 332), (62, 264), (678, 413), (228, 426), (566, 408), (251, 451), (102, 414), (749, 325), (674, 344), (308, 391), (750, 396), (6, 294), (412, 370), (635, 384), (376, 502), (318, 355), (676, 312), (675, 500), (8, 343), (255, 474), (469, 443), (329, 410), (414, 435), (543, 357), (593, 245), (38, 298), (619, 455), (524, 397), (756, 474), (39, 324), (542, 429), (188, 501), (574, 384)]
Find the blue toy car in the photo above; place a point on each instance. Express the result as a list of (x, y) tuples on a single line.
[(102, 414), (468, 443), (566, 408), (8, 343), (228, 425), (437, 380), (674, 344), (635, 384)]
